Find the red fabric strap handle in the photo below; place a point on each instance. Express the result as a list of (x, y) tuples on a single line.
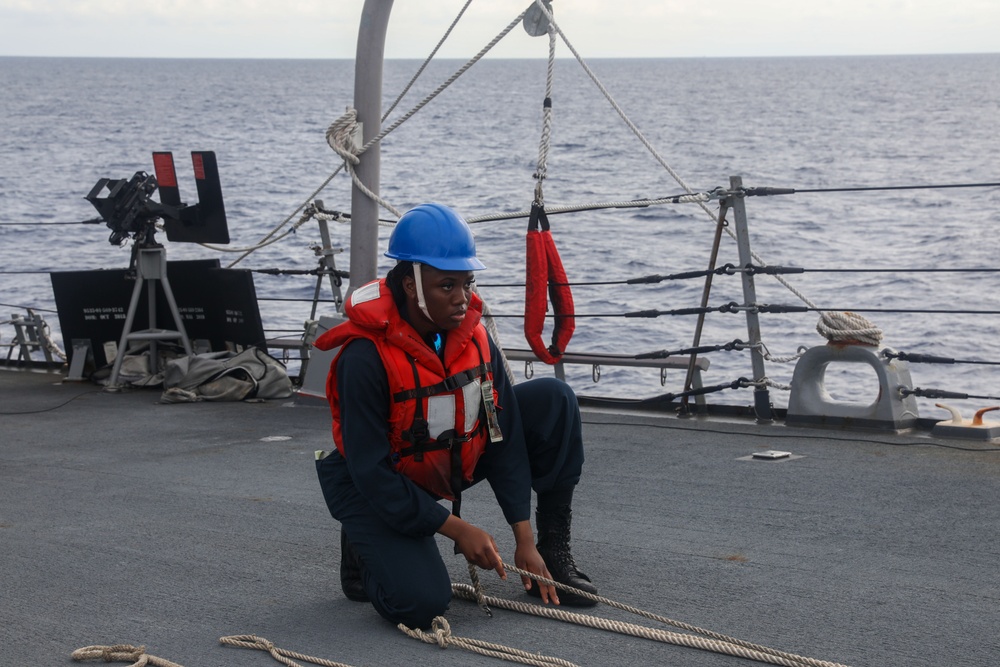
[(546, 279)]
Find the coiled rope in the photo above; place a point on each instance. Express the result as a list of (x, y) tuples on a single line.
[(121, 653), (849, 328)]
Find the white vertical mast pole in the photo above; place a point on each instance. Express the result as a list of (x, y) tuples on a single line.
[(368, 103)]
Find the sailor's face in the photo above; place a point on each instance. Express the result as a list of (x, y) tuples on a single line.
[(446, 294)]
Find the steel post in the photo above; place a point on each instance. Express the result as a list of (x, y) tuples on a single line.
[(368, 104), (761, 396)]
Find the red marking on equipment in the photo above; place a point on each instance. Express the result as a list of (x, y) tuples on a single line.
[(199, 166), (163, 165)]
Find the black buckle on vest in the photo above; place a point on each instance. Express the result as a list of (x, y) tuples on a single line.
[(418, 435), (453, 382)]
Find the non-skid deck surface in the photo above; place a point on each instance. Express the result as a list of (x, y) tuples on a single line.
[(126, 521)]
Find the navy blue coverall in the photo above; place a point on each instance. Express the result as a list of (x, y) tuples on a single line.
[(391, 522)]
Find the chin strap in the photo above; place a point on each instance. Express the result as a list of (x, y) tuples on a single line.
[(420, 290)]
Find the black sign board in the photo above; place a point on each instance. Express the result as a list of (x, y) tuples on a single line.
[(215, 304)]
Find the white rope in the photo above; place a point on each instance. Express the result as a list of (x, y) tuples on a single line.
[(645, 142), (491, 326), (709, 640), (546, 140), (848, 327), (121, 653), (265, 239), (382, 135), (782, 360), (340, 137), (281, 655), (44, 336), (778, 360), (440, 634), (427, 61), (776, 385), (340, 131), (270, 239)]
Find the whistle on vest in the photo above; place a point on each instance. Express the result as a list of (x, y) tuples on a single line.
[(491, 411)]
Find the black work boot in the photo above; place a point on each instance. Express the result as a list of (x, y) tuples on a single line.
[(553, 544), (350, 570)]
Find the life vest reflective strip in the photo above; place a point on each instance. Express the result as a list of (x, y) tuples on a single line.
[(418, 435), (545, 278)]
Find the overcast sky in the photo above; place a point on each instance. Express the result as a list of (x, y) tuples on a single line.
[(597, 28)]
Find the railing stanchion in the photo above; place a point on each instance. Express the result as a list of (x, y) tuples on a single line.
[(761, 396)]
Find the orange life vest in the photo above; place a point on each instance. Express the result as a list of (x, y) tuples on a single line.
[(436, 430)]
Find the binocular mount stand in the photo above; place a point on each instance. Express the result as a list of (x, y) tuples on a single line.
[(151, 267)]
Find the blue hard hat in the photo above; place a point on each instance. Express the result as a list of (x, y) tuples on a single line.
[(435, 235)]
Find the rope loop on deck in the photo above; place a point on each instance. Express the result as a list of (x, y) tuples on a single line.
[(848, 328), (121, 653), (440, 634), (281, 655)]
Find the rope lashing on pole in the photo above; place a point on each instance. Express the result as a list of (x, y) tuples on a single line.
[(121, 653), (341, 138), (708, 641)]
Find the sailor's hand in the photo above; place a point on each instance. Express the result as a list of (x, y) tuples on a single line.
[(475, 544), (526, 557)]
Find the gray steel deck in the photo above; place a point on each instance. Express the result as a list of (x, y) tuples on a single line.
[(126, 521)]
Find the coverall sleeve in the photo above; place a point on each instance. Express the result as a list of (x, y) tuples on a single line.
[(364, 409), (508, 472)]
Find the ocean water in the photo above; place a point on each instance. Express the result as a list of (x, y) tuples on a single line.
[(802, 123)]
